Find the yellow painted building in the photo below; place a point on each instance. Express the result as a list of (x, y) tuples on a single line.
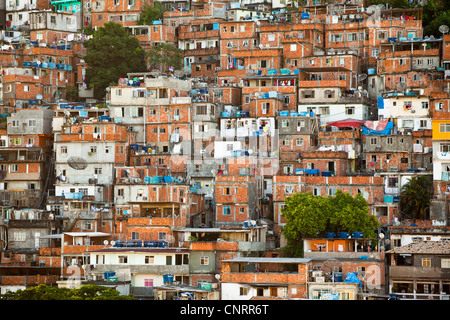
[(441, 129)]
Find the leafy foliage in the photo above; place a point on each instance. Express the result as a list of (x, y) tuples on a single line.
[(311, 216), (151, 13), (86, 292), (110, 55), (415, 197), (165, 54)]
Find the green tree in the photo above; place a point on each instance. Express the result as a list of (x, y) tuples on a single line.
[(85, 292), (151, 13), (165, 55), (415, 197), (351, 214), (311, 216), (110, 55)]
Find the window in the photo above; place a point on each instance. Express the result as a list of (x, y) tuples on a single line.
[(19, 236), (162, 236), (299, 142), (289, 189), (332, 191), (32, 123), (352, 37), (63, 149), (349, 110), (149, 259), (424, 104), (445, 263), (393, 182), (226, 210), (123, 259), (285, 123), (227, 191), (243, 291), (444, 127), (13, 168), (444, 148), (381, 35), (204, 261), (168, 260), (148, 282), (426, 262), (285, 142), (390, 141), (241, 210), (375, 53), (134, 235), (263, 64), (93, 149), (373, 141), (97, 170)]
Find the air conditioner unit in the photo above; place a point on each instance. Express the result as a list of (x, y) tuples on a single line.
[(317, 274), (320, 279)]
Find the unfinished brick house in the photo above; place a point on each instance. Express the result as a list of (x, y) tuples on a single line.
[(125, 12), (86, 155), (25, 152)]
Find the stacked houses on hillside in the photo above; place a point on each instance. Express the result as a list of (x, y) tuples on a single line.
[(173, 186)]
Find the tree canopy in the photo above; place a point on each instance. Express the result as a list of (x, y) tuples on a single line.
[(165, 55), (85, 292), (110, 55), (151, 13), (311, 216), (415, 197)]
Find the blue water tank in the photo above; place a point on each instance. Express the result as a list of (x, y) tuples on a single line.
[(338, 277), (343, 235), (330, 235), (168, 278), (357, 235)]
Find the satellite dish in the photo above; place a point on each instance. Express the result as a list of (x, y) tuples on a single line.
[(113, 243), (381, 235), (443, 29), (362, 77), (217, 276), (261, 46), (105, 242), (77, 163)]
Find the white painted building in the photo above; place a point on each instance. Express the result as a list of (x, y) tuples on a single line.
[(147, 265), (337, 111)]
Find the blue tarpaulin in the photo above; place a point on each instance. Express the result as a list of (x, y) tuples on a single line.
[(386, 131), (352, 278), (380, 102)]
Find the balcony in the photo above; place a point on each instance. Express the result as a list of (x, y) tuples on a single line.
[(412, 272), (199, 34), (322, 83)]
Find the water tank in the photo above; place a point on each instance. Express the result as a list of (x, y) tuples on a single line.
[(329, 235), (357, 235), (108, 274), (338, 277), (168, 278), (343, 235)]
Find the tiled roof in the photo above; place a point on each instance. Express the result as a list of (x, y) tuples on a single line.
[(430, 247)]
